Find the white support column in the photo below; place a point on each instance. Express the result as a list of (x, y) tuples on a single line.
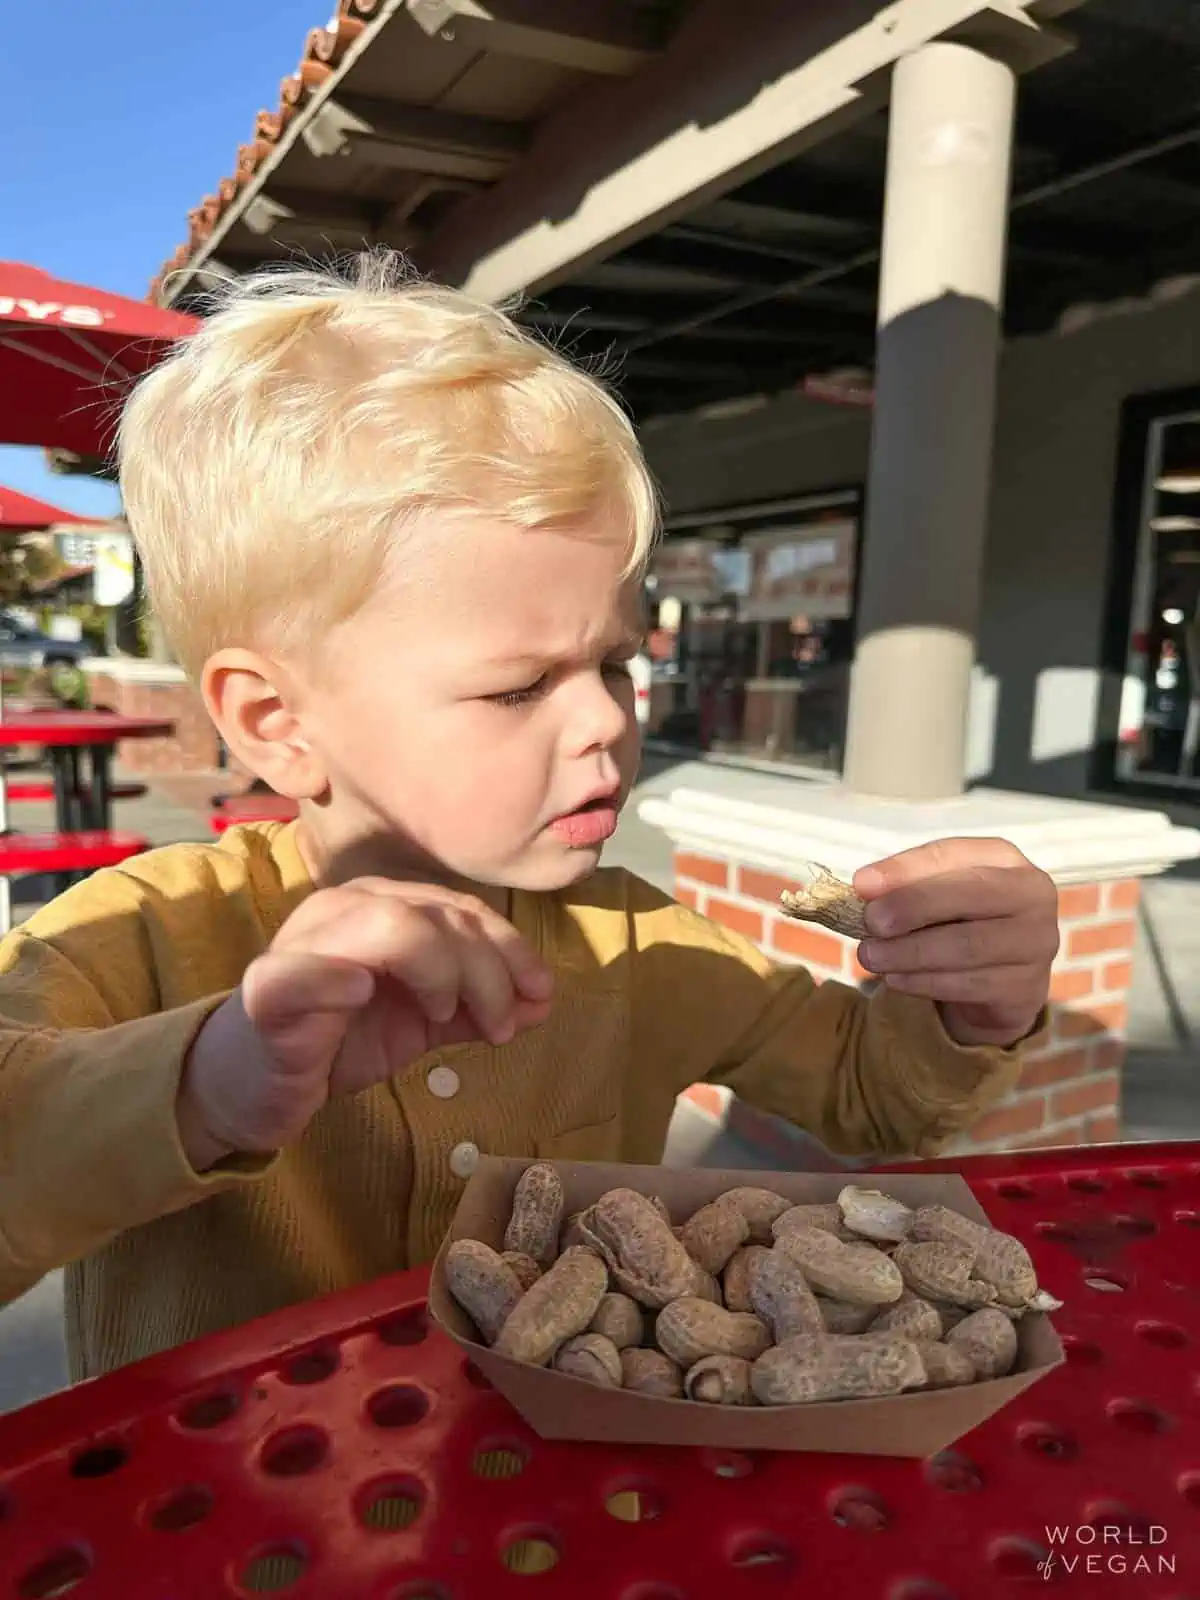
[(941, 281)]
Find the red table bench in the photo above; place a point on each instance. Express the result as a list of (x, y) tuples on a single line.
[(342, 1450), (67, 852), (26, 790), (255, 806)]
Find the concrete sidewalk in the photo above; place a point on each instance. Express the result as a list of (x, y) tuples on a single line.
[(1162, 1081)]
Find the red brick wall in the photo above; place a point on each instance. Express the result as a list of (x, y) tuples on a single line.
[(194, 747), (1070, 1092)]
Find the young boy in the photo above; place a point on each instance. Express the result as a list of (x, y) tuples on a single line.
[(399, 545)]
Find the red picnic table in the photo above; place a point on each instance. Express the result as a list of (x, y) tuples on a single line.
[(79, 747), (343, 1450)]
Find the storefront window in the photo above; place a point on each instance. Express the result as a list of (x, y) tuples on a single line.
[(1159, 734), (762, 601)]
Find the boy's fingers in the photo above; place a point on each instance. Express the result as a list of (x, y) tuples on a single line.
[(282, 987), (956, 947), (931, 860), (973, 894), (988, 986), (530, 974), (393, 937), (486, 983)]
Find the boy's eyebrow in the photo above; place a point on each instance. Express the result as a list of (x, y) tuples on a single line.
[(630, 640)]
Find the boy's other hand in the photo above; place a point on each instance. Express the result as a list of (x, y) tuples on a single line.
[(360, 981), (969, 923)]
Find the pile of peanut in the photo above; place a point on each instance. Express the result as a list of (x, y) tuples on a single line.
[(753, 1300)]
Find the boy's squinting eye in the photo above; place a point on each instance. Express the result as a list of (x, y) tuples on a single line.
[(522, 697), (518, 697)]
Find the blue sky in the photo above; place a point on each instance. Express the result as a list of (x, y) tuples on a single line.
[(121, 115)]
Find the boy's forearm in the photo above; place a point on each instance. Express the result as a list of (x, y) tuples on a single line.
[(90, 1144), (871, 1076)]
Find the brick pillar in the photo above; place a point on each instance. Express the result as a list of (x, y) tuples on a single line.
[(1070, 1091), (193, 748)]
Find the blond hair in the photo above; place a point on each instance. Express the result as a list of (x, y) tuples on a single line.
[(267, 463)]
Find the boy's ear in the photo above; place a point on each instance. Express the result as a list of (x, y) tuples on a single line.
[(253, 702)]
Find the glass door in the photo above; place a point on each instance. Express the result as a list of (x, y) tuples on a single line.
[(1159, 731)]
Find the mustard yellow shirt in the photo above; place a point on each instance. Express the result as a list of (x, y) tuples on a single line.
[(103, 991)]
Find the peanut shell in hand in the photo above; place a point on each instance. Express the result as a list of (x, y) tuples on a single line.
[(827, 901)]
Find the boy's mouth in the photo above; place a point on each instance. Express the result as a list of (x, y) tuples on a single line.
[(590, 823)]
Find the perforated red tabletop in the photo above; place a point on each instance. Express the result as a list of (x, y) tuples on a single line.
[(342, 1450)]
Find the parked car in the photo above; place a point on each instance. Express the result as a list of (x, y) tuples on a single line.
[(23, 646)]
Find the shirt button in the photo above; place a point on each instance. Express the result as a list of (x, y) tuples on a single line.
[(443, 1082), (464, 1158)]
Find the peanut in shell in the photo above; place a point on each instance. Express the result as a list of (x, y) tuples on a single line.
[(652, 1373), (481, 1283), (560, 1304), (804, 1371), (593, 1358), (855, 1272), (720, 1381), (712, 1235), (537, 1214), (689, 1329), (647, 1261)]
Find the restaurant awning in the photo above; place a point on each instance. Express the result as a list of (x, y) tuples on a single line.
[(68, 355), (24, 513)]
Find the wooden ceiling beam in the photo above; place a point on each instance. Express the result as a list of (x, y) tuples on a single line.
[(415, 138), (604, 37)]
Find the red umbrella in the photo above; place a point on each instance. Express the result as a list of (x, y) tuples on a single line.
[(22, 513), (68, 355)]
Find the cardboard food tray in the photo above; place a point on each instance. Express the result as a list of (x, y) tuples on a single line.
[(559, 1407)]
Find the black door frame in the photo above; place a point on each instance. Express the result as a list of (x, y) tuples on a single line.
[(1138, 417)]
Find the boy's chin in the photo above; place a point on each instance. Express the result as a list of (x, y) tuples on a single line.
[(558, 870)]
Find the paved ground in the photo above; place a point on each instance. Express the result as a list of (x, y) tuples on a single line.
[(1162, 1080)]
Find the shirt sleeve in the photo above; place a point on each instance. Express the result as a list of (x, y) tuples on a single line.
[(89, 1075), (868, 1075)]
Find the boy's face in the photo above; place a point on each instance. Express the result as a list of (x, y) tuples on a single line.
[(478, 712)]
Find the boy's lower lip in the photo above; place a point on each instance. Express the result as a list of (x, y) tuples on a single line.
[(591, 826)]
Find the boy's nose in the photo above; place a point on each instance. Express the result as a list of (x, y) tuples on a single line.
[(602, 716)]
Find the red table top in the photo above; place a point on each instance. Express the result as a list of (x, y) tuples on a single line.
[(343, 1450), (79, 728)]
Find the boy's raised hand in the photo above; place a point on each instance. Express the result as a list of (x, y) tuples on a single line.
[(360, 981), (969, 923)]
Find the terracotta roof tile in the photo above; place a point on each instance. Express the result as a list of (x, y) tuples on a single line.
[(324, 50)]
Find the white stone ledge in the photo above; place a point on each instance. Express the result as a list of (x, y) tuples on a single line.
[(127, 669), (1074, 841)]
